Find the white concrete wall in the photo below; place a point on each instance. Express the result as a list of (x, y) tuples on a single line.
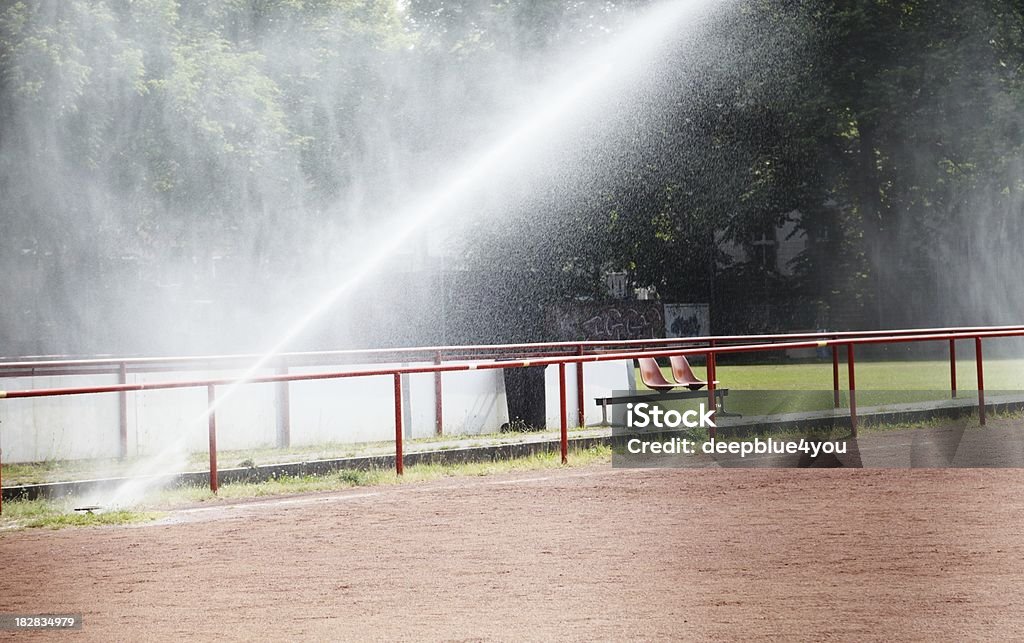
[(359, 409), (600, 379), (52, 428), (158, 419), (474, 401)]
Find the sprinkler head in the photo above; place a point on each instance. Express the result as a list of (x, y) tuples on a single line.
[(88, 509)]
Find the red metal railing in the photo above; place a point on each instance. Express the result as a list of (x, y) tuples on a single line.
[(579, 356), (106, 365), (438, 354)]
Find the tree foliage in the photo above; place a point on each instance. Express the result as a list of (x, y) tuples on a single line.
[(888, 131), (143, 138)]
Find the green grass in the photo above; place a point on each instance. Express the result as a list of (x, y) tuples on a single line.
[(767, 389), (63, 470), (56, 514), (1000, 375), (22, 514), (121, 517), (54, 470), (349, 478)]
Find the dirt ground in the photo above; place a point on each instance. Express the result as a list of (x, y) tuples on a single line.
[(580, 554)]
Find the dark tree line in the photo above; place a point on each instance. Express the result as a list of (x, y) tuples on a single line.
[(889, 132), (146, 145)]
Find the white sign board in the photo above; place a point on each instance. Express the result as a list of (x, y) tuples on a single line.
[(687, 320)]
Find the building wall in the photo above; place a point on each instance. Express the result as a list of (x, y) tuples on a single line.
[(349, 410)]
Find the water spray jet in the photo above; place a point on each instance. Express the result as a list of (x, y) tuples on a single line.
[(575, 94)]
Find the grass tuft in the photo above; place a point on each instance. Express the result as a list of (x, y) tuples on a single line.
[(56, 514), (80, 519)]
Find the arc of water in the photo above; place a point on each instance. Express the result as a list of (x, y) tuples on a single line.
[(581, 87)]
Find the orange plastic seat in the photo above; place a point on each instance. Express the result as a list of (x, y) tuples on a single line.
[(684, 375), (650, 374), (652, 377)]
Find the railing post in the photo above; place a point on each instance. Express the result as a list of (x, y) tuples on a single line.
[(284, 411), (981, 381), (853, 387), (438, 399), (122, 412), (399, 457), (712, 402), (564, 414), (835, 376), (581, 414), (952, 367), (211, 397)]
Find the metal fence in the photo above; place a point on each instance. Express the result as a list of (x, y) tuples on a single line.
[(450, 359)]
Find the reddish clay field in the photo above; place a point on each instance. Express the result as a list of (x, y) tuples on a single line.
[(581, 554)]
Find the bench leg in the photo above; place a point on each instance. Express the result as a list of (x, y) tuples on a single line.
[(721, 406), (604, 412)]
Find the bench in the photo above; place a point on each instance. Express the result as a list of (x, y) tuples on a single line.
[(652, 377), (604, 402)]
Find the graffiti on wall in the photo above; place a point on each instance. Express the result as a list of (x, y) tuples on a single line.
[(608, 321)]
